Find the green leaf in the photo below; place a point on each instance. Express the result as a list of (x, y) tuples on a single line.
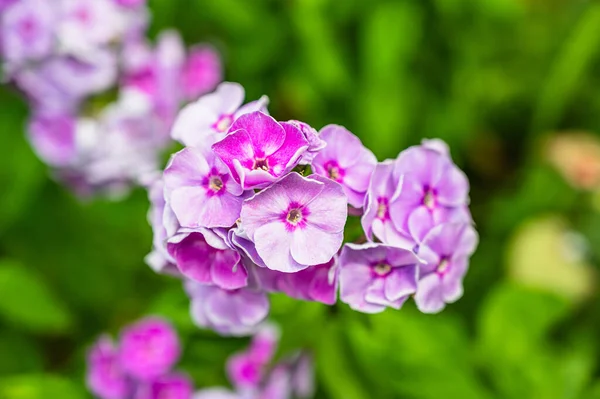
[(40, 386), (20, 354), (27, 302)]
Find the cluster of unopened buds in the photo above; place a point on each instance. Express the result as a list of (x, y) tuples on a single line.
[(140, 366), (102, 98), (253, 205)]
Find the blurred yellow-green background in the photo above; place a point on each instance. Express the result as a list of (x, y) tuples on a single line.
[(512, 85)]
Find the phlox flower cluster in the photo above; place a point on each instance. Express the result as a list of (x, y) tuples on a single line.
[(139, 365), (102, 97), (254, 375), (253, 205)]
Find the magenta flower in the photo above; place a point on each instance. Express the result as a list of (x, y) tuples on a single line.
[(258, 150), (52, 136), (376, 276), (203, 257), (207, 120), (297, 222), (228, 312), (149, 348), (315, 142), (170, 386), (200, 190), (202, 72), (346, 161), (384, 189), (446, 250), (317, 283), (27, 31), (432, 183), (104, 377)]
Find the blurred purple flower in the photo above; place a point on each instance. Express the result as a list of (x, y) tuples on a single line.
[(201, 191), (149, 348), (159, 216), (297, 222), (52, 136), (346, 161), (446, 249), (376, 276), (104, 377), (202, 72), (228, 312), (258, 150), (170, 386), (207, 120), (315, 143)]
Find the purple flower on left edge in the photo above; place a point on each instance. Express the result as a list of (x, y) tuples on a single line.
[(376, 276), (105, 377), (297, 222), (170, 386), (203, 257), (446, 249), (200, 190), (52, 136), (228, 312), (258, 150), (149, 348), (346, 161)]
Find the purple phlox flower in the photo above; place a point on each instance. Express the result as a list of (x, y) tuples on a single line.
[(202, 71), (149, 348), (446, 250), (170, 386), (297, 222), (258, 150), (375, 276), (317, 283), (315, 142), (303, 376), (384, 189), (52, 136), (87, 25), (158, 216), (4, 4), (431, 183), (346, 161), (131, 3), (104, 377), (240, 241), (207, 120), (201, 191), (205, 258), (228, 312), (27, 31), (61, 83)]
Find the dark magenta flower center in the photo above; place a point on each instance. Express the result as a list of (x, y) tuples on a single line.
[(382, 208), (334, 172), (443, 266), (215, 184), (294, 216), (382, 269), (223, 123), (429, 198), (261, 163)]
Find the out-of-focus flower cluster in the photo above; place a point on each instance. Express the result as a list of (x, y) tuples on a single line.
[(254, 375), (140, 365), (253, 205), (63, 54)]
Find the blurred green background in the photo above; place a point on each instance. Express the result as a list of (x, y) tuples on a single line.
[(512, 85)]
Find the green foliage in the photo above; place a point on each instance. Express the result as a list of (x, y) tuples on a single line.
[(493, 78)]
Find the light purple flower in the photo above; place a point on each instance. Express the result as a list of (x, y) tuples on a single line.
[(131, 3), (228, 312), (258, 150), (430, 182), (149, 348), (201, 191), (446, 250), (52, 136), (207, 120), (346, 161), (219, 393), (317, 283), (376, 276), (203, 257), (315, 143), (170, 386), (104, 377), (202, 72), (27, 31), (160, 216), (297, 222)]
